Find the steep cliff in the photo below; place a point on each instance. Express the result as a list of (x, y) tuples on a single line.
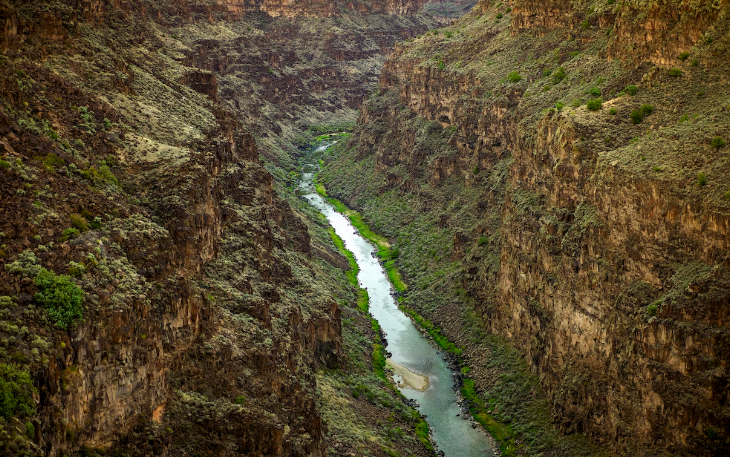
[(159, 294), (556, 174)]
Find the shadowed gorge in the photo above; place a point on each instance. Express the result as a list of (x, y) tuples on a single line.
[(546, 184)]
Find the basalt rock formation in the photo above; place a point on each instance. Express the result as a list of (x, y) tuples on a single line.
[(554, 176), (161, 294)]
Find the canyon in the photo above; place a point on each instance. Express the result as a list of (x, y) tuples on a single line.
[(551, 177)]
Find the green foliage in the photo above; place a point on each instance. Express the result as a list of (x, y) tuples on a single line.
[(632, 90), (379, 361), (16, 391), (441, 64), (475, 170), (674, 72), (727, 195), (483, 240), (585, 24), (95, 223), (68, 234), (595, 91), (558, 76), (4, 164), (499, 16), (240, 400), (637, 115), (684, 56), (26, 265), (613, 112), (433, 331), (79, 222), (340, 245), (718, 142), (514, 77), (30, 430), (594, 105), (61, 298), (701, 179), (651, 310), (76, 269), (559, 105), (501, 432)]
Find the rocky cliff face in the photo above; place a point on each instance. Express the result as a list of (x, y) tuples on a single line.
[(206, 305), (593, 237)]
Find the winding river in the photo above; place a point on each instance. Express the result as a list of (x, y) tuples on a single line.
[(419, 367)]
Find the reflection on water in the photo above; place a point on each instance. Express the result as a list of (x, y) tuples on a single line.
[(454, 435)]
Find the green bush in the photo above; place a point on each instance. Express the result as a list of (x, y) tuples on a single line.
[(30, 430), (594, 105), (68, 234), (547, 72), (684, 56), (240, 400), (79, 222), (647, 110), (674, 72), (559, 105), (636, 116), (96, 223), (651, 310), (514, 77), (442, 65), (727, 195), (585, 24), (16, 391), (61, 298), (499, 16), (632, 90), (4, 164), (613, 111), (718, 142), (701, 179), (559, 76), (595, 91)]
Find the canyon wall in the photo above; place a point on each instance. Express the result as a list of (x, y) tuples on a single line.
[(593, 240), (210, 302)]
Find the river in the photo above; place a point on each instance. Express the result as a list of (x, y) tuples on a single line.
[(453, 433)]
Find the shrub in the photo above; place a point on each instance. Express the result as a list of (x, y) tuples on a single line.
[(16, 391), (701, 179), (558, 76), (651, 310), (727, 195), (595, 91), (68, 234), (499, 16), (62, 299), (482, 240), (547, 72), (475, 170), (636, 116), (96, 223), (613, 111), (657, 169), (594, 105), (30, 430), (559, 105), (647, 110), (79, 222), (632, 90), (718, 142), (240, 400), (585, 24), (442, 65), (675, 72), (76, 269), (684, 56), (514, 77), (448, 34)]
